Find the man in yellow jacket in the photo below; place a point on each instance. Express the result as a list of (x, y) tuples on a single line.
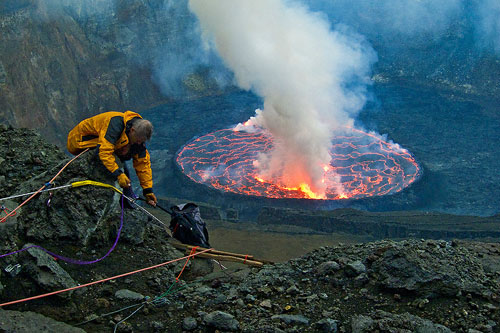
[(121, 134)]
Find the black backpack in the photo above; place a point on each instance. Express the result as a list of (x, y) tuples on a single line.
[(187, 225)]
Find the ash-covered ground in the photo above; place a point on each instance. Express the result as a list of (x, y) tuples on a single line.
[(414, 285)]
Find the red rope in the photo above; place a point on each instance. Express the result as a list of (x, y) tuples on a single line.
[(103, 280), (192, 253), (64, 167), (246, 257), (12, 213)]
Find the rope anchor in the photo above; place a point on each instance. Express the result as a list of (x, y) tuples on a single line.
[(6, 211), (13, 270)]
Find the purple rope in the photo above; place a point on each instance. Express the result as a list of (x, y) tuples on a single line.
[(70, 260)]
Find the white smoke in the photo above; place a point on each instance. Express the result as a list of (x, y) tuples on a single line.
[(312, 78), (386, 18), (417, 21), (488, 24)]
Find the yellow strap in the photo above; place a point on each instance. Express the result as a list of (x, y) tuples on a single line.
[(91, 182)]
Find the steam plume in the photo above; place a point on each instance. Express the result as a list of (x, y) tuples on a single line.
[(386, 18), (488, 26), (312, 79)]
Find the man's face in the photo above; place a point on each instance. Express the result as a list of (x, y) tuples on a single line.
[(134, 138)]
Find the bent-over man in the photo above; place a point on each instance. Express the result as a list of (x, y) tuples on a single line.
[(122, 134)]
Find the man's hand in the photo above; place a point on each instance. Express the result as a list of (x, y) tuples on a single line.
[(151, 199), (123, 181)]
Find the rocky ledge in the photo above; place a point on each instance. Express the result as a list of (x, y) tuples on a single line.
[(386, 286), (414, 285), (402, 224)]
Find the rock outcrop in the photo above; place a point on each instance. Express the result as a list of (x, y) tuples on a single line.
[(387, 286), (58, 67), (15, 321)]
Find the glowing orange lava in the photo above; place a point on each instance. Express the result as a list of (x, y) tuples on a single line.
[(364, 164)]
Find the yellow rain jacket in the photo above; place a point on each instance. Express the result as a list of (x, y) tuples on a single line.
[(108, 132)]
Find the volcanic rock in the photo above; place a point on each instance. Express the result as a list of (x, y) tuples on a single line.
[(125, 294), (221, 320), (86, 76), (292, 319), (327, 325), (47, 273), (18, 149), (390, 322), (15, 321), (189, 324), (327, 267), (355, 268), (411, 269)]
